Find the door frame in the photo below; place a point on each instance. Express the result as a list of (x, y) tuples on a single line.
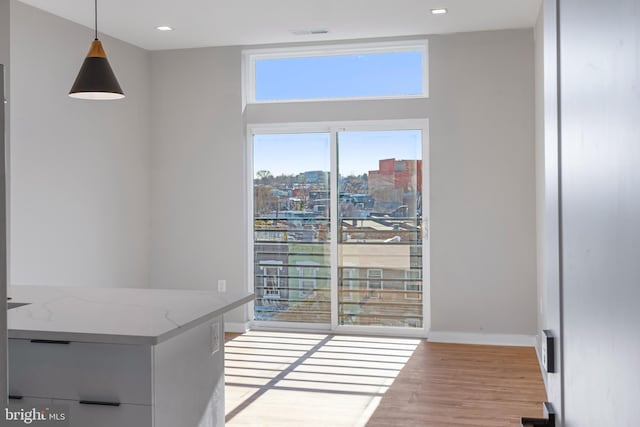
[(333, 128)]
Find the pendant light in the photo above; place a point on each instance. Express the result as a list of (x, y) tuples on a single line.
[(96, 79)]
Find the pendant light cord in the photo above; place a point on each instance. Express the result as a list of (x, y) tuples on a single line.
[(96, 17)]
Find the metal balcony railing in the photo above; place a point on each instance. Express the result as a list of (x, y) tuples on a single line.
[(292, 271)]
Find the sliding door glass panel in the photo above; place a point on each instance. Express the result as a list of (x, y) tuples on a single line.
[(379, 222), (291, 227)]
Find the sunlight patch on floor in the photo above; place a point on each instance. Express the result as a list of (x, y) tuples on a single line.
[(288, 379)]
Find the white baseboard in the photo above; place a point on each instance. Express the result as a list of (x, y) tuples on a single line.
[(237, 327), (483, 339)]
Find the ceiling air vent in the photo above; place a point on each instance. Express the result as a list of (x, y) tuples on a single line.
[(309, 32)]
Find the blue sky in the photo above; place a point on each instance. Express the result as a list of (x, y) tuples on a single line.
[(358, 152), (371, 74)]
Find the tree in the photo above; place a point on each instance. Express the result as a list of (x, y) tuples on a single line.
[(264, 200), (264, 176)]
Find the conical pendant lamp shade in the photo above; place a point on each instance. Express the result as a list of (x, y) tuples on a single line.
[(96, 79)]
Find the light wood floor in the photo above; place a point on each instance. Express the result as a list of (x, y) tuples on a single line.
[(463, 385), (278, 380)]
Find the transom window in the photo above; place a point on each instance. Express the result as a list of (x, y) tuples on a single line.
[(358, 71)]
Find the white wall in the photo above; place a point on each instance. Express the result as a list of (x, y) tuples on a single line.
[(481, 113), (79, 169)]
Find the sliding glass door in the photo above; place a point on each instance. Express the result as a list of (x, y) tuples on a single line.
[(338, 230), (380, 219), (291, 227)]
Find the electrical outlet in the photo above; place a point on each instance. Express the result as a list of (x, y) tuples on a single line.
[(222, 285), (215, 338)]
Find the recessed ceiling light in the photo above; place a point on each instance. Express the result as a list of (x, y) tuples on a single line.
[(438, 11), (164, 28)]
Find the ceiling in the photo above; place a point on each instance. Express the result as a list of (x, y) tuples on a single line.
[(200, 23)]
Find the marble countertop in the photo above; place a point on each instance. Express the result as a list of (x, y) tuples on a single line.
[(112, 315)]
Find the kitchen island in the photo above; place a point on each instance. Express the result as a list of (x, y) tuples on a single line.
[(120, 357)]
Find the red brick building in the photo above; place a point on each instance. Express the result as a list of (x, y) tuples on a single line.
[(396, 177)]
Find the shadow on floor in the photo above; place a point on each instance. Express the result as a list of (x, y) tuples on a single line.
[(291, 379)]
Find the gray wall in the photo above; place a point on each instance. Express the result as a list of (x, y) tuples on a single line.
[(5, 44), (151, 190), (548, 235), (600, 134), (482, 183), (4, 60), (5, 48), (197, 168), (5, 7), (481, 113), (79, 169), (539, 164)]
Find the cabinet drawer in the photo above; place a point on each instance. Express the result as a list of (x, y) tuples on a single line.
[(124, 415), (80, 371)]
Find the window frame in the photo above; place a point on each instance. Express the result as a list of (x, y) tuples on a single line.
[(278, 266), (250, 56), (409, 281), (304, 267), (375, 292), (349, 281)]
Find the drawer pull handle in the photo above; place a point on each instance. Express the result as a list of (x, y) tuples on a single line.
[(50, 342), (92, 402), (13, 397)]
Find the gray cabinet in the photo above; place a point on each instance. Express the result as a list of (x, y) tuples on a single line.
[(177, 382)]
